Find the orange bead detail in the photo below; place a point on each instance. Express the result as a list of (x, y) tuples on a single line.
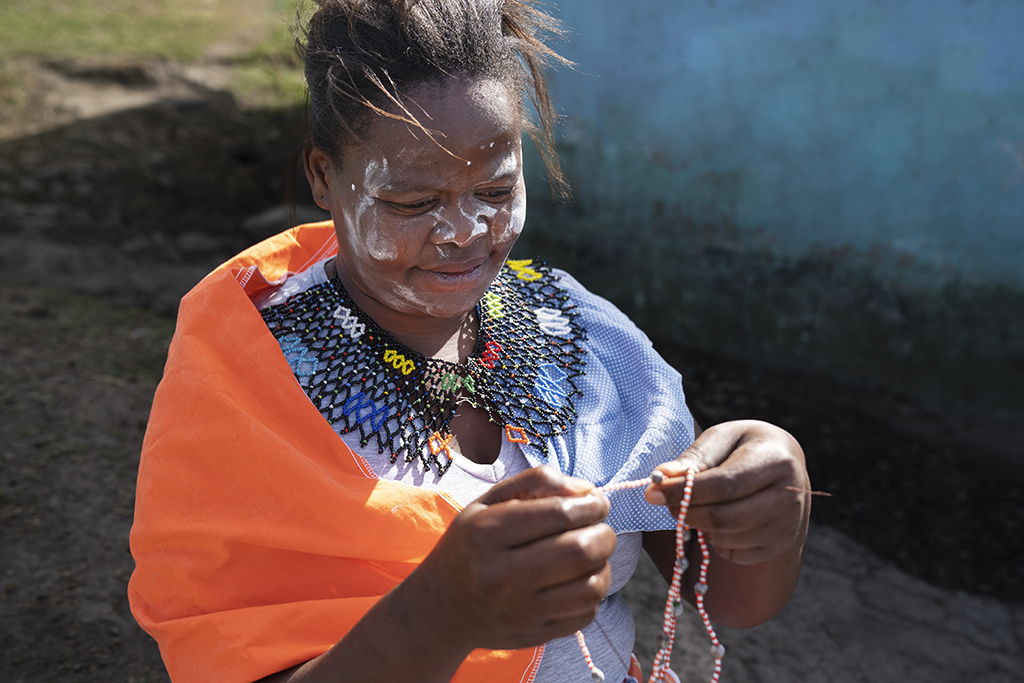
[(516, 434), (438, 443)]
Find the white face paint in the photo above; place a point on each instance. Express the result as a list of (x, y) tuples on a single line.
[(480, 216), (443, 229), (379, 244), (517, 219), (427, 228), (509, 166)]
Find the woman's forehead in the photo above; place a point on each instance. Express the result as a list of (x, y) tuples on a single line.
[(455, 114), (464, 122), (429, 167)]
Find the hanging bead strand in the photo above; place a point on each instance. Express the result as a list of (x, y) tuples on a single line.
[(700, 590), (596, 675), (674, 600)]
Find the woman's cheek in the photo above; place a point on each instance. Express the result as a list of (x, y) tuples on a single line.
[(513, 227), (381, 246), (377, 242)]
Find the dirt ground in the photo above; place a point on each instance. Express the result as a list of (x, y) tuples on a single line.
[(120, 185)]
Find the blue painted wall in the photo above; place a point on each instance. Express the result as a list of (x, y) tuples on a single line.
[(835, 185)]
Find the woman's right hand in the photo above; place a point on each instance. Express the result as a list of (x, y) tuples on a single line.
[(525, 563)]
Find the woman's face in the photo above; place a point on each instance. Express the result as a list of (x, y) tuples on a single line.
[(425, 225)]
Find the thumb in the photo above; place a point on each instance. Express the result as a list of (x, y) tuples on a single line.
[(536, 482), (710, 449)]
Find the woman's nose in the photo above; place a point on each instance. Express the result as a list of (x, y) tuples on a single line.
[(461, 225)]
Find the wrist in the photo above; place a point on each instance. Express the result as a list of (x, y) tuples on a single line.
[(425, 599)]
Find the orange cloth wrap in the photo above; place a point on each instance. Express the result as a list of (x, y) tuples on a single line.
[(260, 538)]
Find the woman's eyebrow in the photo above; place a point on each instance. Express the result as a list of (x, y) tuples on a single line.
[(411, 181), (400, 186), (508, 166)]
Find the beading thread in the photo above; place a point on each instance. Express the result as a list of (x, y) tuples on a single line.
[(674, 600)]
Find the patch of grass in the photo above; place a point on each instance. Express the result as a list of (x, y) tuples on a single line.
[(173, 29), (267, 85), (84, 334), (10, 87)]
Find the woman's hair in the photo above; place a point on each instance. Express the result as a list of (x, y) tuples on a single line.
[(363, 57)]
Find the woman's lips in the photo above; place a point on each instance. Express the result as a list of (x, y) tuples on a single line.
[(458, 268), (458, 273)]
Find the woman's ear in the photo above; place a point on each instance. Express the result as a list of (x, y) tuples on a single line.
[(317, 164)]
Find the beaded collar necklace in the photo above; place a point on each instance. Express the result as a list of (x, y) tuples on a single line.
[(523, 370)]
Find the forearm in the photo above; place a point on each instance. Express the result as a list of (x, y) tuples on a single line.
[(746, 595), (404, 636), (751, 496), (739, 595)]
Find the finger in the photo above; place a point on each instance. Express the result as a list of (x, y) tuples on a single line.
[(564, 558), (536, 482), (756, 464), (753, 511), (535, 634), (526, 608), (760, 456), (743, 539), (711, 447), (743, 550), (561, 628), (708, 450), (580, 597), (513, 523)]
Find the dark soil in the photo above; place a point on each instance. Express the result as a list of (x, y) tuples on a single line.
[(75, 387), (913, 486), (171, 185)]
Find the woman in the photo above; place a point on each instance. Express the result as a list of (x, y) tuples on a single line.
[(375, 459)]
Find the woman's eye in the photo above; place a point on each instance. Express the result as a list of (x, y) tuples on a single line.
[(413, 207), (496, 195)]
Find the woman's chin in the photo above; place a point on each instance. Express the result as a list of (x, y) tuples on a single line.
[(445, 297)]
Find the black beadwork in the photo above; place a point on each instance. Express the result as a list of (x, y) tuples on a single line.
[(359, 376)]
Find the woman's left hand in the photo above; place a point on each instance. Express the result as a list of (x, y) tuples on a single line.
[(751, 494)]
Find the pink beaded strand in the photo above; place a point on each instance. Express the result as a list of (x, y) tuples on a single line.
[(699, 590), (595, 674), (674, 600)]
